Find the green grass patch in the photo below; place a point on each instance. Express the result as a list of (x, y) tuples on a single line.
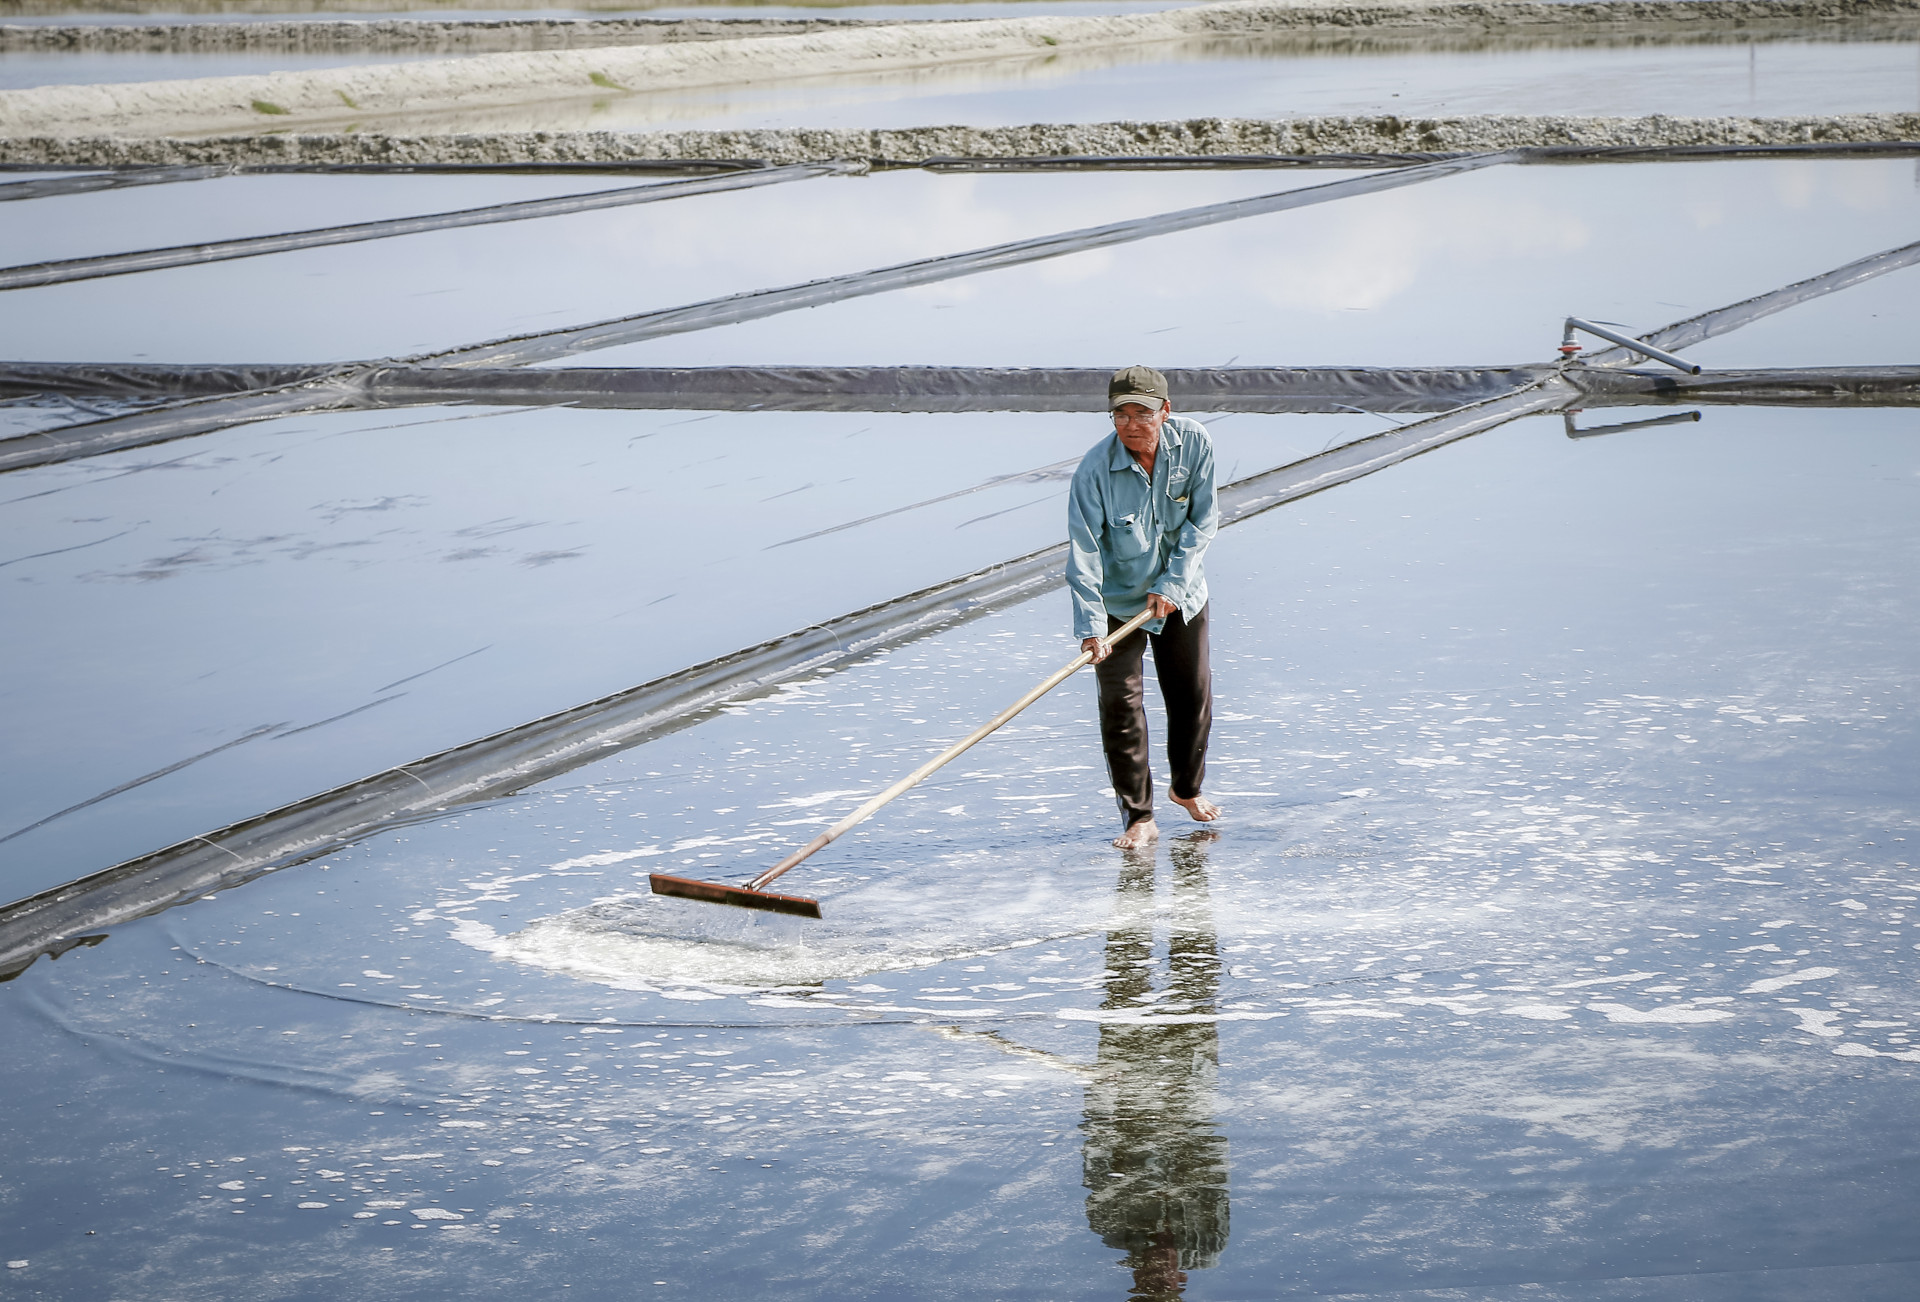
[(602, 79), (347, 100), (1049, 40), (268, 106)]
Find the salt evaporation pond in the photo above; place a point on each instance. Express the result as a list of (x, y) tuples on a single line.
[(1559, 934), (1559, 941), (1243, 77)]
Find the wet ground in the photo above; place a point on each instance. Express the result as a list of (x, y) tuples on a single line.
[(1558, 942)]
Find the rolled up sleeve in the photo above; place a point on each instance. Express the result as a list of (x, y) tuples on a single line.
[(1086, 569)]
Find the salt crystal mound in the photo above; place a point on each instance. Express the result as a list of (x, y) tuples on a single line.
[(689, 949)]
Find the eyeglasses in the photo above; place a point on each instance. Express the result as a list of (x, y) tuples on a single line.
[(1121, 416)]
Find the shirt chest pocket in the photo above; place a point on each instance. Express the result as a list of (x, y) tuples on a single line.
[(1173, 513), (1127, 536)]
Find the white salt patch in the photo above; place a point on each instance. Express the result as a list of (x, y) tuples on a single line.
[(1858, 907), (606, 857), (1791, 979), (234, 1184), (1814, 1022), (1855, 1051), (464, 1125), (1608, 980), (408, 1157), (382, 1202), (315, 1207), (436, 1214), (1779, 922), (1671, 1016), (651, 1151), (375, 972), (1541, 1012), (17, 1265), (808, 802), (476, 935), (358, 1216)]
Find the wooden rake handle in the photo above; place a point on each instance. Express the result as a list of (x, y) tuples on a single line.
[(946, 756)]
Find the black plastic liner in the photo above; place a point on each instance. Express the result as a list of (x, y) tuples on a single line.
[(946, 388), (1865, 386), (116, 179), (185, 255), (149, 380), (553, 345), (338, 387), (495, 766)]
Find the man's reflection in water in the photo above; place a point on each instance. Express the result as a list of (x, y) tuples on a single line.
[(1155, 1167)]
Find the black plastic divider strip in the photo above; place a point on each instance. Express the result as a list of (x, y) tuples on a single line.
[(149, 379), (1253, 389), (552, 345), (509, 761), (1864, 386), (89, 179), (117, 179), (942, 389), (66, 270), (336, 389)]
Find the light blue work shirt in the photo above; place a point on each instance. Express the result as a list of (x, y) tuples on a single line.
[(1129, 537)]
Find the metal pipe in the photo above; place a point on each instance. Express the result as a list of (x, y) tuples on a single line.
[(1568, 348), (1575, 432)]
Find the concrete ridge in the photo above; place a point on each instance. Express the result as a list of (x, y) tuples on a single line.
[(1197, 136)]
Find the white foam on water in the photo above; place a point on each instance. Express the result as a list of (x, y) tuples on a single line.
[(1791, 979), (314, 1207), (1542, 1012), (1814, 1021), (436, 1214), (693, 951), (608, 857), (1670, 1016)]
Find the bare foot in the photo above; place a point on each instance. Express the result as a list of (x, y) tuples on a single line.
[(1144, 832), (1202, 809)]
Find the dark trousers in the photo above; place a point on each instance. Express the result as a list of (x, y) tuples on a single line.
[(1180, 662)]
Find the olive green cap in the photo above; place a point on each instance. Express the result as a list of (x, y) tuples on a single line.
[(1141, 384)]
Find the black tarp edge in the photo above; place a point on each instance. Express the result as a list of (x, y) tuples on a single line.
[(960, 389)]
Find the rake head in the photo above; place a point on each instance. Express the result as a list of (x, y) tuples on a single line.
[(688, 888)]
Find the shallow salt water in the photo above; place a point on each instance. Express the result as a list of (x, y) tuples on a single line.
[(1559, 934), (1246, 78), (1559, 941)]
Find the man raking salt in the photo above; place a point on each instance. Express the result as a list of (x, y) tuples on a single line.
[(1139, 518)]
